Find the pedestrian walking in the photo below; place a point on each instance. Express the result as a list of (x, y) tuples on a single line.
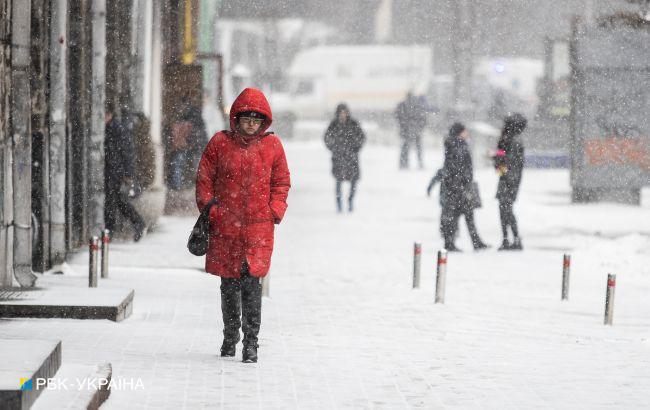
[(411, 117), (344, 138), (245, 170), (460, 197), (509, 162), (187, 140), (119, 184)]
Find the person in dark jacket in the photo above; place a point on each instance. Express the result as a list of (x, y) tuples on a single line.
[(457, 179), (187, 139), (118, 176), (509, 162), (411, 117), (344, 138)]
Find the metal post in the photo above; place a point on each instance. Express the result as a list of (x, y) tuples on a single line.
[(566, 270), (106, 238), (97, 98), (93, 249), (417, 255), (609, 299), (441, 276), (265, 286)]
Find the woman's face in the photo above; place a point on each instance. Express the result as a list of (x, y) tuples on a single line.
[(249, 125), (343, 116)]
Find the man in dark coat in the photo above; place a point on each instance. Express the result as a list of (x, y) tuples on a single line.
[(509, 162), (411, 117), (457, 178), (118, 176), (344, 137)]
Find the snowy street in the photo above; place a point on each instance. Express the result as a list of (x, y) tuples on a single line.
[(343, 328)]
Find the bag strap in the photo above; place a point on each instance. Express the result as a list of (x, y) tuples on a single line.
[(206, 209)]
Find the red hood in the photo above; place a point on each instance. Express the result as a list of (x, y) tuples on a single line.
[(251, 99)]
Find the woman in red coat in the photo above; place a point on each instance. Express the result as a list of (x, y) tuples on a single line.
[(246, 171)]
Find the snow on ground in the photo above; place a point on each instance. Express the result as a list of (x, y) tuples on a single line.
[(344, 329)]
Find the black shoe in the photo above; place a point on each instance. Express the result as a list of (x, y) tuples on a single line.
[(139, 232), (505, 245), (516, 245), (339, 206), (228, 349), (249, 354), (479, 246), (350, 207), (452, 248)]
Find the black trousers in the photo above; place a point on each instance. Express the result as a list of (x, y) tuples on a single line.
[(408, 139), (114, 202), (507, 219), (241, 306), (449, 223)]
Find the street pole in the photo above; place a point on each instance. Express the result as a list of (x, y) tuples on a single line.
[(441, 276), (417, 256), (97, 100), (462, 47)]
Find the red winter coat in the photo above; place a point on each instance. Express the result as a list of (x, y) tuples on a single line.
[(249, 178)]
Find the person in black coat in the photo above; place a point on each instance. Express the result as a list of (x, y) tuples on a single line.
[(509, 162), (344, 138), (457, 178), (411, 117), (118, 176)]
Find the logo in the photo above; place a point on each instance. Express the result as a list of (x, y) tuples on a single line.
[(26, 384)]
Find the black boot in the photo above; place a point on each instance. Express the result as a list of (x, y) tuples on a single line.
[(339, 205), (450, 247), (228, 348), (231, 311), (516, 244), (480, 245), (249, 354), (505, 245)]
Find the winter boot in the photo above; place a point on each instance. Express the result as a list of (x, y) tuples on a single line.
[(450, 247), (350, 206), (339, 205), (249, 354), (228, 348), (505, 245), (480, 245), (516, 244)]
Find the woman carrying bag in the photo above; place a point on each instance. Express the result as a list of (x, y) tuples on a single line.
[(244, 170)]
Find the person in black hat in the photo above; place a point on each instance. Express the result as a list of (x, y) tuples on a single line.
[(344, 138), (457, 179), (509, 162)]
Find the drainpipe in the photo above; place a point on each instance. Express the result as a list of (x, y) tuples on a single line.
[(22, 142)]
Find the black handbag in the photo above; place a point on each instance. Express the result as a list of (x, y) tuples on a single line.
[(473, 196), (197, 244)]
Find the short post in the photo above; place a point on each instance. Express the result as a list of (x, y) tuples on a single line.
[(441, 276), (92, 264), (106, 238), (609, 299), (417, 255), (566, 270), (265, 286)]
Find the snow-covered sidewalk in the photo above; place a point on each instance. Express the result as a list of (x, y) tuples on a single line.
[(344, 329)]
